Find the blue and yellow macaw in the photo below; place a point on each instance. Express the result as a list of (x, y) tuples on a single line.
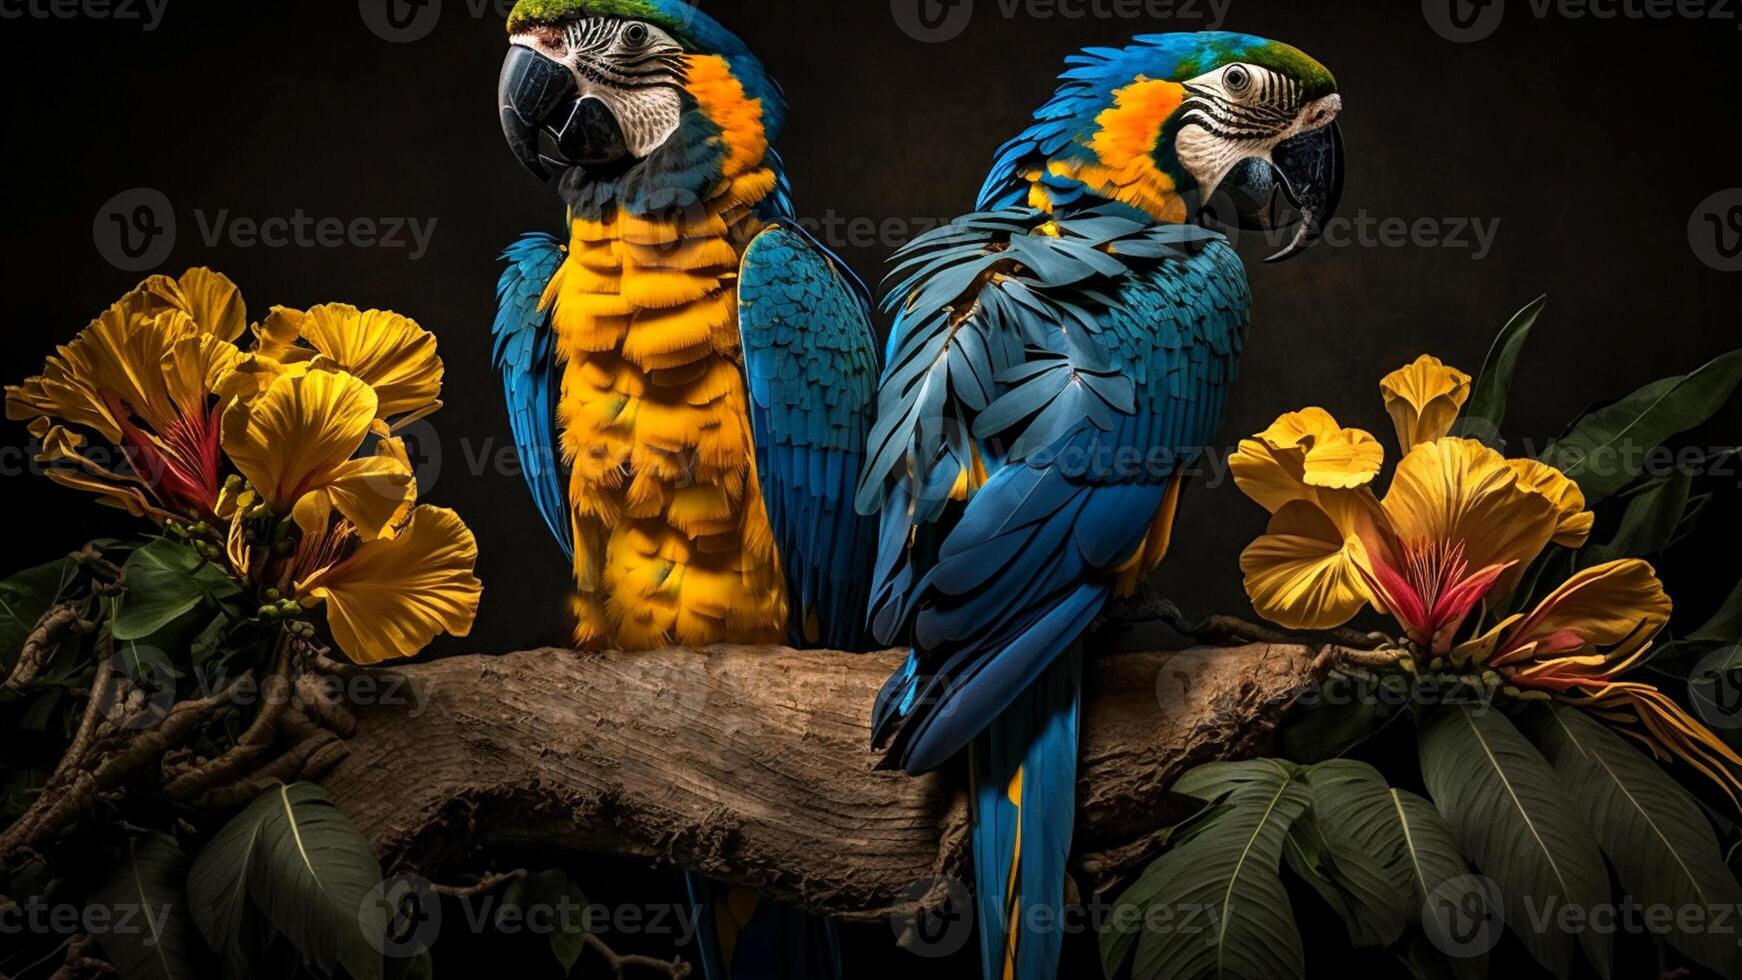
[(690, 377), (1060, 359)]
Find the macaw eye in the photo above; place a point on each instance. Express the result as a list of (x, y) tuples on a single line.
[(635, 35), (1237, 79)]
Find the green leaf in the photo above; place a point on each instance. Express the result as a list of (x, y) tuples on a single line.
[(1652, 829), (1510, 814), (1654, 514), (292, 855), (419, 967), (1607, 449), (1342, 847), (1349, 709), (1726, 626), (1487, 405), (166, 580), (24, 598), (1432, 872), (553, 890), (1215, 906), (149, 936)]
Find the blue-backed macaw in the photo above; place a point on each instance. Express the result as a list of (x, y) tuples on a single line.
[(1060, 358), (690, 377)]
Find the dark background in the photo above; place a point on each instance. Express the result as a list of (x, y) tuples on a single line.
[(1591, 142)]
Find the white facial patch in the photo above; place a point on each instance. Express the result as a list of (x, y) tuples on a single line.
[(1239, 112), (633, 67)]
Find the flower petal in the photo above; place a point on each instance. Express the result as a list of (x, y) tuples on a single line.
[(118, 354), (1423, 399), (1574, 522), (1302, 450), (1303, 573), (392, 596), (291, 439), (1344, 459), (389, 352), (1615, 609), (209, 298), (1460, 492), (196, 367), (375, 493)]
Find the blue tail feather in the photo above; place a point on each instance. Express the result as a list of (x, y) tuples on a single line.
[(775, 942), (1020, 848)]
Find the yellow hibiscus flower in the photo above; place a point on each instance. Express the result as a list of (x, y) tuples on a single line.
[(1458, 526), (145, 376), (295, 444), (261, 457)]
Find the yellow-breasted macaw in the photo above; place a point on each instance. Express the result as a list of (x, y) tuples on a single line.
[(702, 369), (689, 376)]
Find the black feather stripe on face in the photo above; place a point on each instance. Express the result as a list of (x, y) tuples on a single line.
[(596, 48)]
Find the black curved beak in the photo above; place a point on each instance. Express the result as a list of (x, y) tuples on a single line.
[(1306, 173), (549, 125)]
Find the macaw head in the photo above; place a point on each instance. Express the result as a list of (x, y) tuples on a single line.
[(648, 104), (1186, 125)]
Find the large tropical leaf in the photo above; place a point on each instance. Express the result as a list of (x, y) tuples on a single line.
[(1726, 626), (1215, 905), (1511, 815), (1606, 450), (1350, 709), (24, 598), (149, 935), (166, 580), (1343, 847), (1432, 872), (296, 860), (1661, 845), (1655, 513), (1487, 406)]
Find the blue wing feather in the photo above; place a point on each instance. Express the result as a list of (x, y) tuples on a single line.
[(524, 354), (811, 362), (1080, 366)]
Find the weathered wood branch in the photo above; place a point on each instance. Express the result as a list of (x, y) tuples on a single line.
[(752, 765)]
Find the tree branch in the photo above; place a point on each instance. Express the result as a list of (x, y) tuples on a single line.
[(752, 765)]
